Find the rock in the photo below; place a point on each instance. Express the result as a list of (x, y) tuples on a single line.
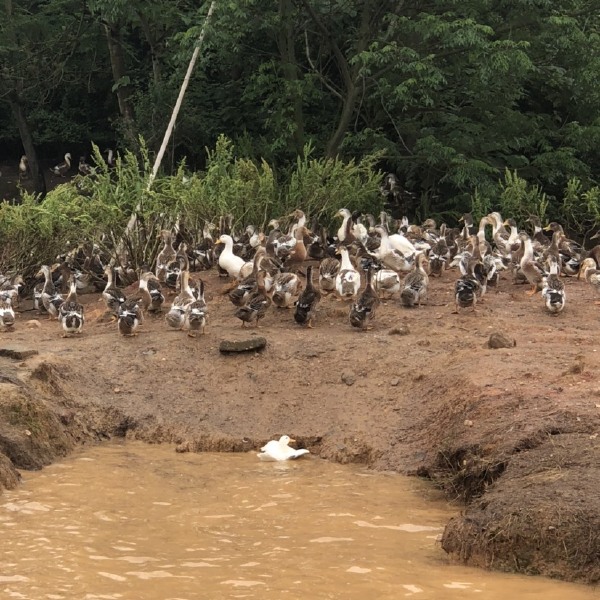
[(395, 382), (348, 377), (499, 340), (17, 352), (400, 330), (246, 345), (33, 324)]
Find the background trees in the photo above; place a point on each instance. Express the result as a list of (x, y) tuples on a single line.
[(453, 94)]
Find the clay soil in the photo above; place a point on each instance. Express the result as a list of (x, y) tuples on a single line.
[(510, 434)]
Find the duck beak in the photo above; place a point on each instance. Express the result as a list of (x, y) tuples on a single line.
[(547, 228), (292, 441)]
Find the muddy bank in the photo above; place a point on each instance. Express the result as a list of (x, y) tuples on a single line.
[(509, 433)]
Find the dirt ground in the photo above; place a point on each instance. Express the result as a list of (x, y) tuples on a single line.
[(509, 432)]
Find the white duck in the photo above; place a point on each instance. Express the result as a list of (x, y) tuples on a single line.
[(280, 450), (347, 281), (348, 231), (228, 261), (398, 241)]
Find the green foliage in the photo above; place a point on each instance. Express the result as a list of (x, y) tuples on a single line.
[(448, 95), (480, 205), (97, 208), (322, 186), (580, 209), (520, 200)]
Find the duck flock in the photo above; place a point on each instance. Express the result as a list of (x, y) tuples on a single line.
[(368, 260)]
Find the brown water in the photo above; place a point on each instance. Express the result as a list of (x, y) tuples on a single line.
[(137, 522)]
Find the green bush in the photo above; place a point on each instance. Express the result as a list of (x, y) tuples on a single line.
[(97, 208)]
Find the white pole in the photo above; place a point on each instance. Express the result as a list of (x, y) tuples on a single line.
[(169, 131)]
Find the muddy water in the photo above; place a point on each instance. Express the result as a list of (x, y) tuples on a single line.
[(133, 522)]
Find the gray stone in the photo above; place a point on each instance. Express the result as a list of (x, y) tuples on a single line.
[(500, 340), (400, 330), (348, 378), (17, 352), (245, 345)]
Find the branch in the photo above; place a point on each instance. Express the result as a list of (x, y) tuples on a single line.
[(341, 59), (169, 131), (322, 77)]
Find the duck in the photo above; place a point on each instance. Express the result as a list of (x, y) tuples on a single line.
[(298, 252), (257, 304), (85, 168), (149, 302), (203, 252), (129, 316), (539, 239), (398, 241), (113, 297), (234, 265), (286, 286), (196, 314), (7, 313), (390, 257), (283, 246), (70, 313), (386, 283), (529, 267), (13, 286), (307, 301), (347, 281), (110, 158), (553, 291), (277, 450), (438, 257), (23, 167), (363, 310), (175, 317), (166, 256), (328, 270), (467, 288), (242, 291), (591, 274), (415, 284), (64, 167), (152, 285), (349, 231), (49, 296)]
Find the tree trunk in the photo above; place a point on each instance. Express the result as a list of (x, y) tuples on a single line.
[(349, 73), (16, 107), (123, 90), (348, 108), (153, 43), (289, 67), (39, 181)]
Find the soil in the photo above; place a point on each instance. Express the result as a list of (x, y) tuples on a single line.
[(510, 432)]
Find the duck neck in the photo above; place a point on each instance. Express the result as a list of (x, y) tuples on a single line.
[(528, 250), (346, 263), (72, 297), (343, 230)]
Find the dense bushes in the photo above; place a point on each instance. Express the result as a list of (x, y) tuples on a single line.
[(97, 208)]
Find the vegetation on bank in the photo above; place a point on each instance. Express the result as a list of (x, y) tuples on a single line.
[(97, 208), (449, 95)]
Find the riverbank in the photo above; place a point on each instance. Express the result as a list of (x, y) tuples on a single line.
[(510, 432)]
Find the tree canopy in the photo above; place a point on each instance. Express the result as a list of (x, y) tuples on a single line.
[(453, 94)]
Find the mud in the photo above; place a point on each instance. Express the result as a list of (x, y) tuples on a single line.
[(509, 433)]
